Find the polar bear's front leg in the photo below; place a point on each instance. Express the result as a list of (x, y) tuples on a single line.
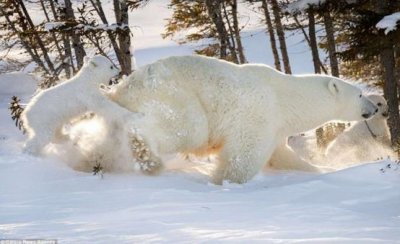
[(284, 158), (240, 162)]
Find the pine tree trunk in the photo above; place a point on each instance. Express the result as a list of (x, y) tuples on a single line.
[(214, 11), (76, 40), (281, 36), (390, 89), (397, 74), (236, 28), (99, 9), (317, 62), (64, 65), (68, 52), (68, 59), (330, 36), (231, 34), (313, 40), (37, 37), (271, 33), (121, 15)]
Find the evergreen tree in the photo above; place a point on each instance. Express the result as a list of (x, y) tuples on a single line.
[(59, 43), (215, 21)]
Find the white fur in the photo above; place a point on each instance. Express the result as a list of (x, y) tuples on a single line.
[(49, 110), (358, 144), (196, 104)]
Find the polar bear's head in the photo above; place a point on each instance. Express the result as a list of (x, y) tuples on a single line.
[(353, 105), (381, 103), (101, 69)]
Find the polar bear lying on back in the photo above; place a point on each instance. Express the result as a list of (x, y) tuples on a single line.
[(365, 140), (49, 110), (195, 104)]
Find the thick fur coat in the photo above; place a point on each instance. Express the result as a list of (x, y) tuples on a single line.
[(48, 111), (243, 113)]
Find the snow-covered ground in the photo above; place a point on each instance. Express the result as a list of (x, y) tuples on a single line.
[(43, 198)]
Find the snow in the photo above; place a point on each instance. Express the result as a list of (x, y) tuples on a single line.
[(44, 198), (301, 5), (17, 83), (49, 26), (389, 22)]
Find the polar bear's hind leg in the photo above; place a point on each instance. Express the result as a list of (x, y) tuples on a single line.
[(240, 163), (148, 162)]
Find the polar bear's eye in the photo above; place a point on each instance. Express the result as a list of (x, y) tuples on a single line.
[(112, 67), (360, 95), (379, 104)]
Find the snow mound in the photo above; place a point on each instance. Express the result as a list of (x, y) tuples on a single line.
[(17, 83)]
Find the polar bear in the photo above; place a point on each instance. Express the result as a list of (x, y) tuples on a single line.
[(194, 104), (363, 141), (49, 110)]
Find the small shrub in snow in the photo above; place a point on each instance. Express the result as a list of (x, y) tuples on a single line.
[(16, 110), (98, 169)]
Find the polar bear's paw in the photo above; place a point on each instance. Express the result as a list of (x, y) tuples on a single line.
[(149, 164)]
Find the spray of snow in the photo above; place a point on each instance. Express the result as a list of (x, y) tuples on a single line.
[(94, 141), (305, 146)]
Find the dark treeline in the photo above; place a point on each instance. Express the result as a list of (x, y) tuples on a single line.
[(59, 43)]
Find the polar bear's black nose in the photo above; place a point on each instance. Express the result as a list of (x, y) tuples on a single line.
[(376, 110), (366, 116)]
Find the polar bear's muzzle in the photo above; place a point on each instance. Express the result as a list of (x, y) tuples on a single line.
[(385, 114), (369, 109), (366, 115)]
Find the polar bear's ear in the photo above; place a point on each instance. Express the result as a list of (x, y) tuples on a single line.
[(86, 59), (332, 86)]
